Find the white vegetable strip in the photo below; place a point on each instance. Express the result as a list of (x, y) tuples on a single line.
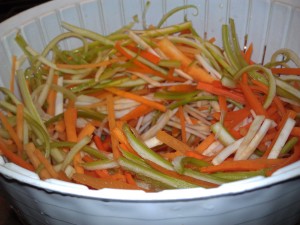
[(153, 142), (161, 122), (208, 67), (213, 149), (59, 101), (256, 140), (250, 135), (230, 149), (282, 138)]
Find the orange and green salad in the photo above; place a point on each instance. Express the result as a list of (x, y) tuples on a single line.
[(150, 109)]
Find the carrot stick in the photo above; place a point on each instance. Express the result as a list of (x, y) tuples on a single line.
[(172, 52), (14, 158), (99, 183), (112, 124), (182, 88), (263, 88), (11, 131), (48, 166), (174, 143), (194, 154), (242, 165), (70, 118), (51, 98), (252, 100), (205, 143), (248, 53), (30, 151), (182, 123), (296, 131), (86, 131), (20, 122), (222, 103), (91, 65), (145, 54), (221, 91), (137, 112), (294, 71), (98, 143), (13, 73), (129, 178), (137, 98)]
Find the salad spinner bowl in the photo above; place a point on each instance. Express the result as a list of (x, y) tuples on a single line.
[(274, 200)]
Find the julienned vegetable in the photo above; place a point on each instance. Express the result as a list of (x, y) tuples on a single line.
[(151, 109)]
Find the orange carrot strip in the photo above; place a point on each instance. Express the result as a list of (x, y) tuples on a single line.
[(182, 123), (112, 124), (77, 163), (86, 131), (205, 143), (221, 91), (137, 98), (172, 52), (91, 65), (51, 98), (242, 165), (129, 178), (222, 103), (104, 182), (263, 88), (248, 53), (295, 131), (137, 112), (145, 54), (294, 71), (30, 151), (194, 154), (48, 166), (13, 73), (20, 122), (11, 131), (174, 143), (60, 126), (14, 158), (98, 143), (70, 117), (252, 100), (182, 88)]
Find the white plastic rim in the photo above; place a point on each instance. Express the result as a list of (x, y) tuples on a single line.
[(41, 23)]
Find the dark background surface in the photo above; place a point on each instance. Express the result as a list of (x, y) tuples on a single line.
[(9, 8)]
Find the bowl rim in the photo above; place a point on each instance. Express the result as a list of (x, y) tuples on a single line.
[(11, 171)]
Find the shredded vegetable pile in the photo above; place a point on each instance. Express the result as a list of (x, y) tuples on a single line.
[(151, 109)]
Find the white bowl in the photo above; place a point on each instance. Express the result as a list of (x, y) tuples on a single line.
[(275, 200)]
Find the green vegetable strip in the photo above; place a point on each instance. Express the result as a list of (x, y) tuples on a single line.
[(153, 174), (100, 164), (144, 151), (167, 30), (73, 151), (91, 151), (234, 176), (228, 49), (271, 81), (89, 34), (172, 12), (289, 145)]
